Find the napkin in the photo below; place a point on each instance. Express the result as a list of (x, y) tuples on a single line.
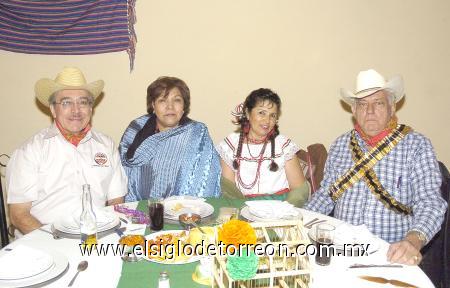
[(135, 229), (103, 217), (23, 261), (272, 209), (349, 234)]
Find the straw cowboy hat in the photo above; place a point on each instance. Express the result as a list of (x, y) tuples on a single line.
[(69, 78), (369, 82)]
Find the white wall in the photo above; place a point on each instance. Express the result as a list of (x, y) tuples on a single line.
[(304, 50)]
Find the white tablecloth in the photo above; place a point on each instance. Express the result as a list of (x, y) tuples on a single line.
[(105, 271), (337, 274)]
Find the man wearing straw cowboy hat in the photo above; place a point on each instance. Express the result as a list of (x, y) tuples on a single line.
[(44, 176), (382, 174)]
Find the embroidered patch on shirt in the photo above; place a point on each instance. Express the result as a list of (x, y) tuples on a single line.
[(100, 158)]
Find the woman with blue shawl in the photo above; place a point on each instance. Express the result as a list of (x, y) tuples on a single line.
[(164, 153)]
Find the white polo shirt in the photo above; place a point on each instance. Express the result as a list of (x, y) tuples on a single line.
[(48, 171)]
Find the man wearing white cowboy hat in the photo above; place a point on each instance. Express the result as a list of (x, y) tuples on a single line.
[(45, 175), (381, 174)]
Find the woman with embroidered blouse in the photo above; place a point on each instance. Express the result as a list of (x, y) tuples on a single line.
[(164, 153), (257, 161)]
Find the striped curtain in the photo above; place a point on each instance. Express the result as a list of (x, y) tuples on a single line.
[(68, 27)]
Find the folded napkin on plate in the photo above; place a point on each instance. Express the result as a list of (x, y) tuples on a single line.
[(103, 217), (349, 234), (272, 209), (23, 261), (135, 229)]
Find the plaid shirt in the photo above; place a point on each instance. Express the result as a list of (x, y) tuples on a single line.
[(410, 173)]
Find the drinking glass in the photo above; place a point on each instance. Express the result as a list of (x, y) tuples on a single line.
[(324, 241), (156, 214)]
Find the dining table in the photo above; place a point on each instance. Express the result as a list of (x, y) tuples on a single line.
[(111, 271)]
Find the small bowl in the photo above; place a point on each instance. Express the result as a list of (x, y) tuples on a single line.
[(188, 220), (129, 241)]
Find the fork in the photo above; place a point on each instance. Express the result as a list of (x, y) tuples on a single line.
[(309, 222), (53, 233), (309, 225)]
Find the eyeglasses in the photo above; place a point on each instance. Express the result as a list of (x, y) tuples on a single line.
[(82, 103), (378, 105)]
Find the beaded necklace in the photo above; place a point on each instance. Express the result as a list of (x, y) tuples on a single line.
[(259, 159), (255, 141), (250, 152)]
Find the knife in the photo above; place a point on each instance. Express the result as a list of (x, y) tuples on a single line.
[(119, 231), (375, 266), (109, 232), (382, 280)]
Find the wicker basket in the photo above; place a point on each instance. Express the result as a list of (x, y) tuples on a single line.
[(279, 270)]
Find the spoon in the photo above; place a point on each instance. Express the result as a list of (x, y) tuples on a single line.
[(81, 267)]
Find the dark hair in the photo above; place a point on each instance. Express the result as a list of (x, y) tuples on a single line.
[(255, 97), (162, 86)]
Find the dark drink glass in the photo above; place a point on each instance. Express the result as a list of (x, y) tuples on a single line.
[(323, 255), (156, 214), (324, 241)]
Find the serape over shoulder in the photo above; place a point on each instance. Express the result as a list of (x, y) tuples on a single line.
[(179, 161), (68, 27)]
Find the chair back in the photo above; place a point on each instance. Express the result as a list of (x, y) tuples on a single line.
[(436, 254), (445, 189), (313, 162), (3, 222)]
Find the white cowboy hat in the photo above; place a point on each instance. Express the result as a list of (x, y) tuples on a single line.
[(69, 78), (369, 82)]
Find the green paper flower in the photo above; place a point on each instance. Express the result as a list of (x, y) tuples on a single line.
[(242, 267)]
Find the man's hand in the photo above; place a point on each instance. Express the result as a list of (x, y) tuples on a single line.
[(118, 200), (406, 251)]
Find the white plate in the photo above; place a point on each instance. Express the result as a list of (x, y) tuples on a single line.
[(374, 243), (175, 207), (60, 226), (22, 262), (171, 261), (59, 267), (245, 212), (72, 221)]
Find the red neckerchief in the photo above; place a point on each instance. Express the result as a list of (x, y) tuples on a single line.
[(74, 139), (372, 141)]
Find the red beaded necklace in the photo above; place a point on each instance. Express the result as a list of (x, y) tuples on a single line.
[(255, 141), (259, 159)]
